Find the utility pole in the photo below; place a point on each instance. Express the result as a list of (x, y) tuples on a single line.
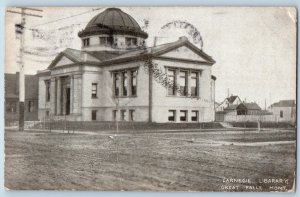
[(20, 29)]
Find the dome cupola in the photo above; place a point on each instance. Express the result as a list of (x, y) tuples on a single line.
[(112, 29)]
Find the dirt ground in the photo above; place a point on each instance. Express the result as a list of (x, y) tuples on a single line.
[(197, 161)]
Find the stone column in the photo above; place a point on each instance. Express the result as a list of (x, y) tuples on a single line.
[(77, 95), (71, 93), (58, 97), (53, 96)]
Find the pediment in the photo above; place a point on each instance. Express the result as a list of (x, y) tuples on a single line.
[(63, 61), (185, 53)]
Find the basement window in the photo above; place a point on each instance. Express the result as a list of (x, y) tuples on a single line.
[(94, 114), (131, 115), (194, 116), (123, 115), (171, 115), (183, 115)]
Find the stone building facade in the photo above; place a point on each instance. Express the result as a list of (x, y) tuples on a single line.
[(116, 77)]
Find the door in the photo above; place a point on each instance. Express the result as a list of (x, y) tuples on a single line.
[(68, 100)]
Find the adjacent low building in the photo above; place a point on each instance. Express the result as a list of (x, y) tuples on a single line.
[(12, 97), (232, 100), (284, 110), (243, 109), (116, 77)]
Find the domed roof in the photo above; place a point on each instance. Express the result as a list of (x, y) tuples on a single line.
[(113, 20)]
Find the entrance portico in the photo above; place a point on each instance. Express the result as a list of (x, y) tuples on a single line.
[(64, 98)]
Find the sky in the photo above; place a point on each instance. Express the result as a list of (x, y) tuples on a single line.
[(254, 48)]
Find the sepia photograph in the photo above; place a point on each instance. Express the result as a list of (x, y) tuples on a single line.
[(186, 99)]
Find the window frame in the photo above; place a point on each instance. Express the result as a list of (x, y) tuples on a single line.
[(108, 41), (94, 91), (173, 87), (125, 87), (86, 42), (174, 115), (185, 93), (188, 81), (124, 83), (197, 83), (131, 115), (123, 114), (94, 115), (117, 86), (186, 115), (133, 77), (281, 113), (197, 116), (130, 43)]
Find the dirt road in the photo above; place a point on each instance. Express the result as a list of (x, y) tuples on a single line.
[(152, 162)]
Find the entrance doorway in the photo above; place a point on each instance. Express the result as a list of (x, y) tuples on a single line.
[(68, 100)]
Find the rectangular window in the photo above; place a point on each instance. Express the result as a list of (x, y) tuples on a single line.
[(94, 114), (117, 84), (171, 82), (11, 107), (131, 115), (105, 41), (171, 115), (115, 115), (281, 114), (131, 42), (30, 106), (183, 115), (123, 115), (94, 90), (47, 113), (86, 42), (182, 82), (124, 77), (194, 116), (133, 82), (47, 83), (194, 84)]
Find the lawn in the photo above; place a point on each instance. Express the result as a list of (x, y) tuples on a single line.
[(196, 161)]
